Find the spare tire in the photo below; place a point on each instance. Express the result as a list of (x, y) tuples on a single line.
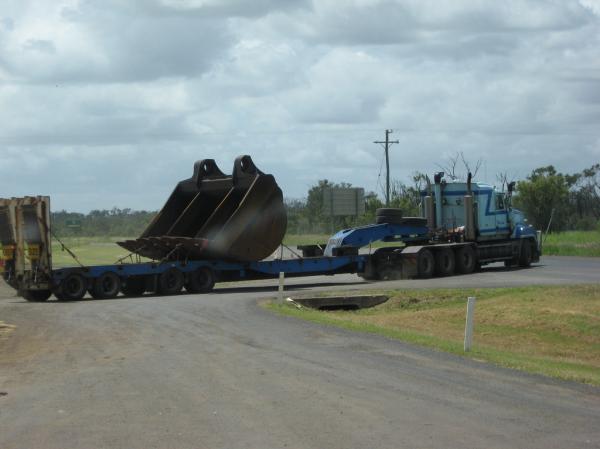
[(406, 221), (389, 211)]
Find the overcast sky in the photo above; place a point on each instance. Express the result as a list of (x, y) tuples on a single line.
[(109, 102)]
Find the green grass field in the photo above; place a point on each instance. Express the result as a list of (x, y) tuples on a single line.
[(89, 251), (573, 243), (553, 331)]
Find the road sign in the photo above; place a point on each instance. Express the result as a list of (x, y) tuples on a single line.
[(339, 201)]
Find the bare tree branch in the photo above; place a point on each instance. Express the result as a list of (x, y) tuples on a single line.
[(468, 166)]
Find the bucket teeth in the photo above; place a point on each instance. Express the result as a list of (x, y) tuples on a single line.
[(211, 215)]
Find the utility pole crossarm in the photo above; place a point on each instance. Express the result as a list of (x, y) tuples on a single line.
[(387, 145)]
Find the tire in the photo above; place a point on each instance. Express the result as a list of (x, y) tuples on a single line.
[(406, 221), (134, 286), (170, 282), (445, 262), (525, 255), (388, 212), (370, 273), (106, 286), (389, 272), (36, 295), (425, 264), (73, 287), (465, 259), (201, 281)]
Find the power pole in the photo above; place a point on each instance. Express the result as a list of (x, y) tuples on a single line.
[(386, 147)]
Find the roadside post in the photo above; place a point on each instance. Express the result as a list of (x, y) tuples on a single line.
[(281, 286), (469, 323)]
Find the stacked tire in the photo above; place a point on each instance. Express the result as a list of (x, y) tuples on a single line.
[(388, 215)]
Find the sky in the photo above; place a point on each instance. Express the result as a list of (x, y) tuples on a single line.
[(108, 103)]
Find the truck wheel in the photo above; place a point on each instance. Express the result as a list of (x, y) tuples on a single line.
[(525, 256), (389, 272), (134, 286), (36, 295), (444, 262), (72, 287), (425, 264), (201, 281), (465, 259), (106, 286), (170, 282)]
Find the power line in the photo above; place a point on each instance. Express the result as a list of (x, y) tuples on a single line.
[(386, 147)]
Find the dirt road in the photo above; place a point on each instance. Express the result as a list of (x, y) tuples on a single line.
[(216, 371)]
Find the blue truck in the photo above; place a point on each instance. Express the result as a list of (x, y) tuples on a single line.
[(463, 226)]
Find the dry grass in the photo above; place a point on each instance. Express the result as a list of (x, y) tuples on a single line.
[(549, 330)]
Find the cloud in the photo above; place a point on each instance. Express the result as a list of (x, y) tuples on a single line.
[(109, 103)]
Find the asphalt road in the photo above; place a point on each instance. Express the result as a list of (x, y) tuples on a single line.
[(217, 371)]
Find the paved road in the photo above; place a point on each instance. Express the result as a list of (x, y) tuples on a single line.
[(216, 371)]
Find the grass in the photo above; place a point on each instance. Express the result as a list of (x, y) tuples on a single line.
[(554, 331), (573, 243), (305, 239), (89, 250)]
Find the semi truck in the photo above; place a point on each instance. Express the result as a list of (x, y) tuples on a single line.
[(463, 226)]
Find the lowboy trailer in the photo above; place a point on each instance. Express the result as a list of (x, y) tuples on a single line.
[(463, 226)]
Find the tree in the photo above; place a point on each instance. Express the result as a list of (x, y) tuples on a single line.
[(584, 198), (408, 197), (544, 190)]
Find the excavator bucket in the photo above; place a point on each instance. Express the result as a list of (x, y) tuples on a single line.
[(214, 216)]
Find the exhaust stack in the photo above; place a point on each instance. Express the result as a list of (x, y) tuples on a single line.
[(437, 189)]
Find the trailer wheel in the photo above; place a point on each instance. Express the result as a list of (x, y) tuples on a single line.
[(170, 282), (72, 287), (389, 272), (134, 286), (106, 286), (425, 264), (525, 256), (465, 259), (36, 295), (201, 281), (445, 262)]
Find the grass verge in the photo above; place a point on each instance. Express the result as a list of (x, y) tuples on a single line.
[(573, 243), (554, 331)]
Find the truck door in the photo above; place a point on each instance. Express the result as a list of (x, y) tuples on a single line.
[(501, 213)]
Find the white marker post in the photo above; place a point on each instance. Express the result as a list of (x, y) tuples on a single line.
[(281, 284), (469, 323)]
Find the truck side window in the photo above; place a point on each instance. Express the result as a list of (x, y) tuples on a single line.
[(499, 202)]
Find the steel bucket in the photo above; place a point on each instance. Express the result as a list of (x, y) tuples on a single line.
[(214, 216)]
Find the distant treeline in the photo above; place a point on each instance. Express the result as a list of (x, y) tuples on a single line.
[(574, 198), (101, 223)]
